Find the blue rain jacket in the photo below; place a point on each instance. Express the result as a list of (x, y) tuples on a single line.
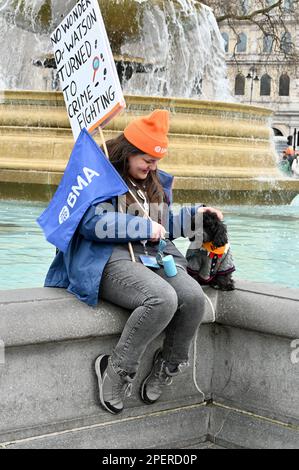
[(80, 269)]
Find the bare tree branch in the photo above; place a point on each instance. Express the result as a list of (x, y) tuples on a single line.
[(272, 20), (232, 11)]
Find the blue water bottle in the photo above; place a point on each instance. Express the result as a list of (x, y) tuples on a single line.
[(169, 265), (167, 262)]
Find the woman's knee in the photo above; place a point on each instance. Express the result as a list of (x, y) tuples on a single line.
[(195, 300), (164, 301), (197, 295)]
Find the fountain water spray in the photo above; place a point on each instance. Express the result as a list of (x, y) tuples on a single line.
[(177, 42), (295, 201), (183, 46)]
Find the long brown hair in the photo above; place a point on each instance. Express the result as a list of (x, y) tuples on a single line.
[(119, 150)]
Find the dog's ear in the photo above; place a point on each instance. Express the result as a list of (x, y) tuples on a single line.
[(210, 221), (220, 236)]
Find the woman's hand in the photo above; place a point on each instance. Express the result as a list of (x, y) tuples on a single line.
[(158, 232), (212, 209)]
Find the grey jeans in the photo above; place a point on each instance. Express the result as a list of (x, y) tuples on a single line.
[(158, 303)]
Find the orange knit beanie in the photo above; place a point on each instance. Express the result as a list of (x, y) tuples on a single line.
[(149, 133)]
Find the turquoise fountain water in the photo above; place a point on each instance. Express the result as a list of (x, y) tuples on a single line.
[(265, 243)]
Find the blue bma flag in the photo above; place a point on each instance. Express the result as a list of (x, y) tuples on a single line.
[(89, 176)]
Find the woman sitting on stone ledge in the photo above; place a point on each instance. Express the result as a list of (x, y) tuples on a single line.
[(101, 265)]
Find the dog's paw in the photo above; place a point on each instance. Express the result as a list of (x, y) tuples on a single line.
[(224, 283)]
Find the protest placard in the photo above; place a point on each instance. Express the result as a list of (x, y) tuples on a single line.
[(86, 69)]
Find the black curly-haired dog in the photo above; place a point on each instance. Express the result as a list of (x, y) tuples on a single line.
[(211, 263)]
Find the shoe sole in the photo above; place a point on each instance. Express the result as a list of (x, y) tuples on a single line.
[(143, 385), (100, 383)]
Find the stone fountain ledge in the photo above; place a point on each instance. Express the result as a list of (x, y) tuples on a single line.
[(244, 368)]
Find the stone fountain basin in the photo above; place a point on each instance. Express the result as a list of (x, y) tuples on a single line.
[(214, 147)]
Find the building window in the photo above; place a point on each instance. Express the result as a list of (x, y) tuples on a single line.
[(288, 5), (266, 85), (240, 85), (226, 41), (242, 43), (286, 43), (284, 85), (277, 132), (268, 43), (244, 7)]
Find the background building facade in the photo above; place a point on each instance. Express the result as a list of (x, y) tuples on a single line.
[(263, 69)]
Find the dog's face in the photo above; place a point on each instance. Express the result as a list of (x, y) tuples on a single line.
[(214, 230)]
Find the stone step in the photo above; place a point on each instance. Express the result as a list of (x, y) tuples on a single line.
[(174, 428), (222, 171)]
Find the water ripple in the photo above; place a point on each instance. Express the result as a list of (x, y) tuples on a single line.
[(265, 244)]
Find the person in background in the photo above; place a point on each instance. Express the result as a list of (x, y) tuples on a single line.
[(290, 152), (284, 165), (295, 167)]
